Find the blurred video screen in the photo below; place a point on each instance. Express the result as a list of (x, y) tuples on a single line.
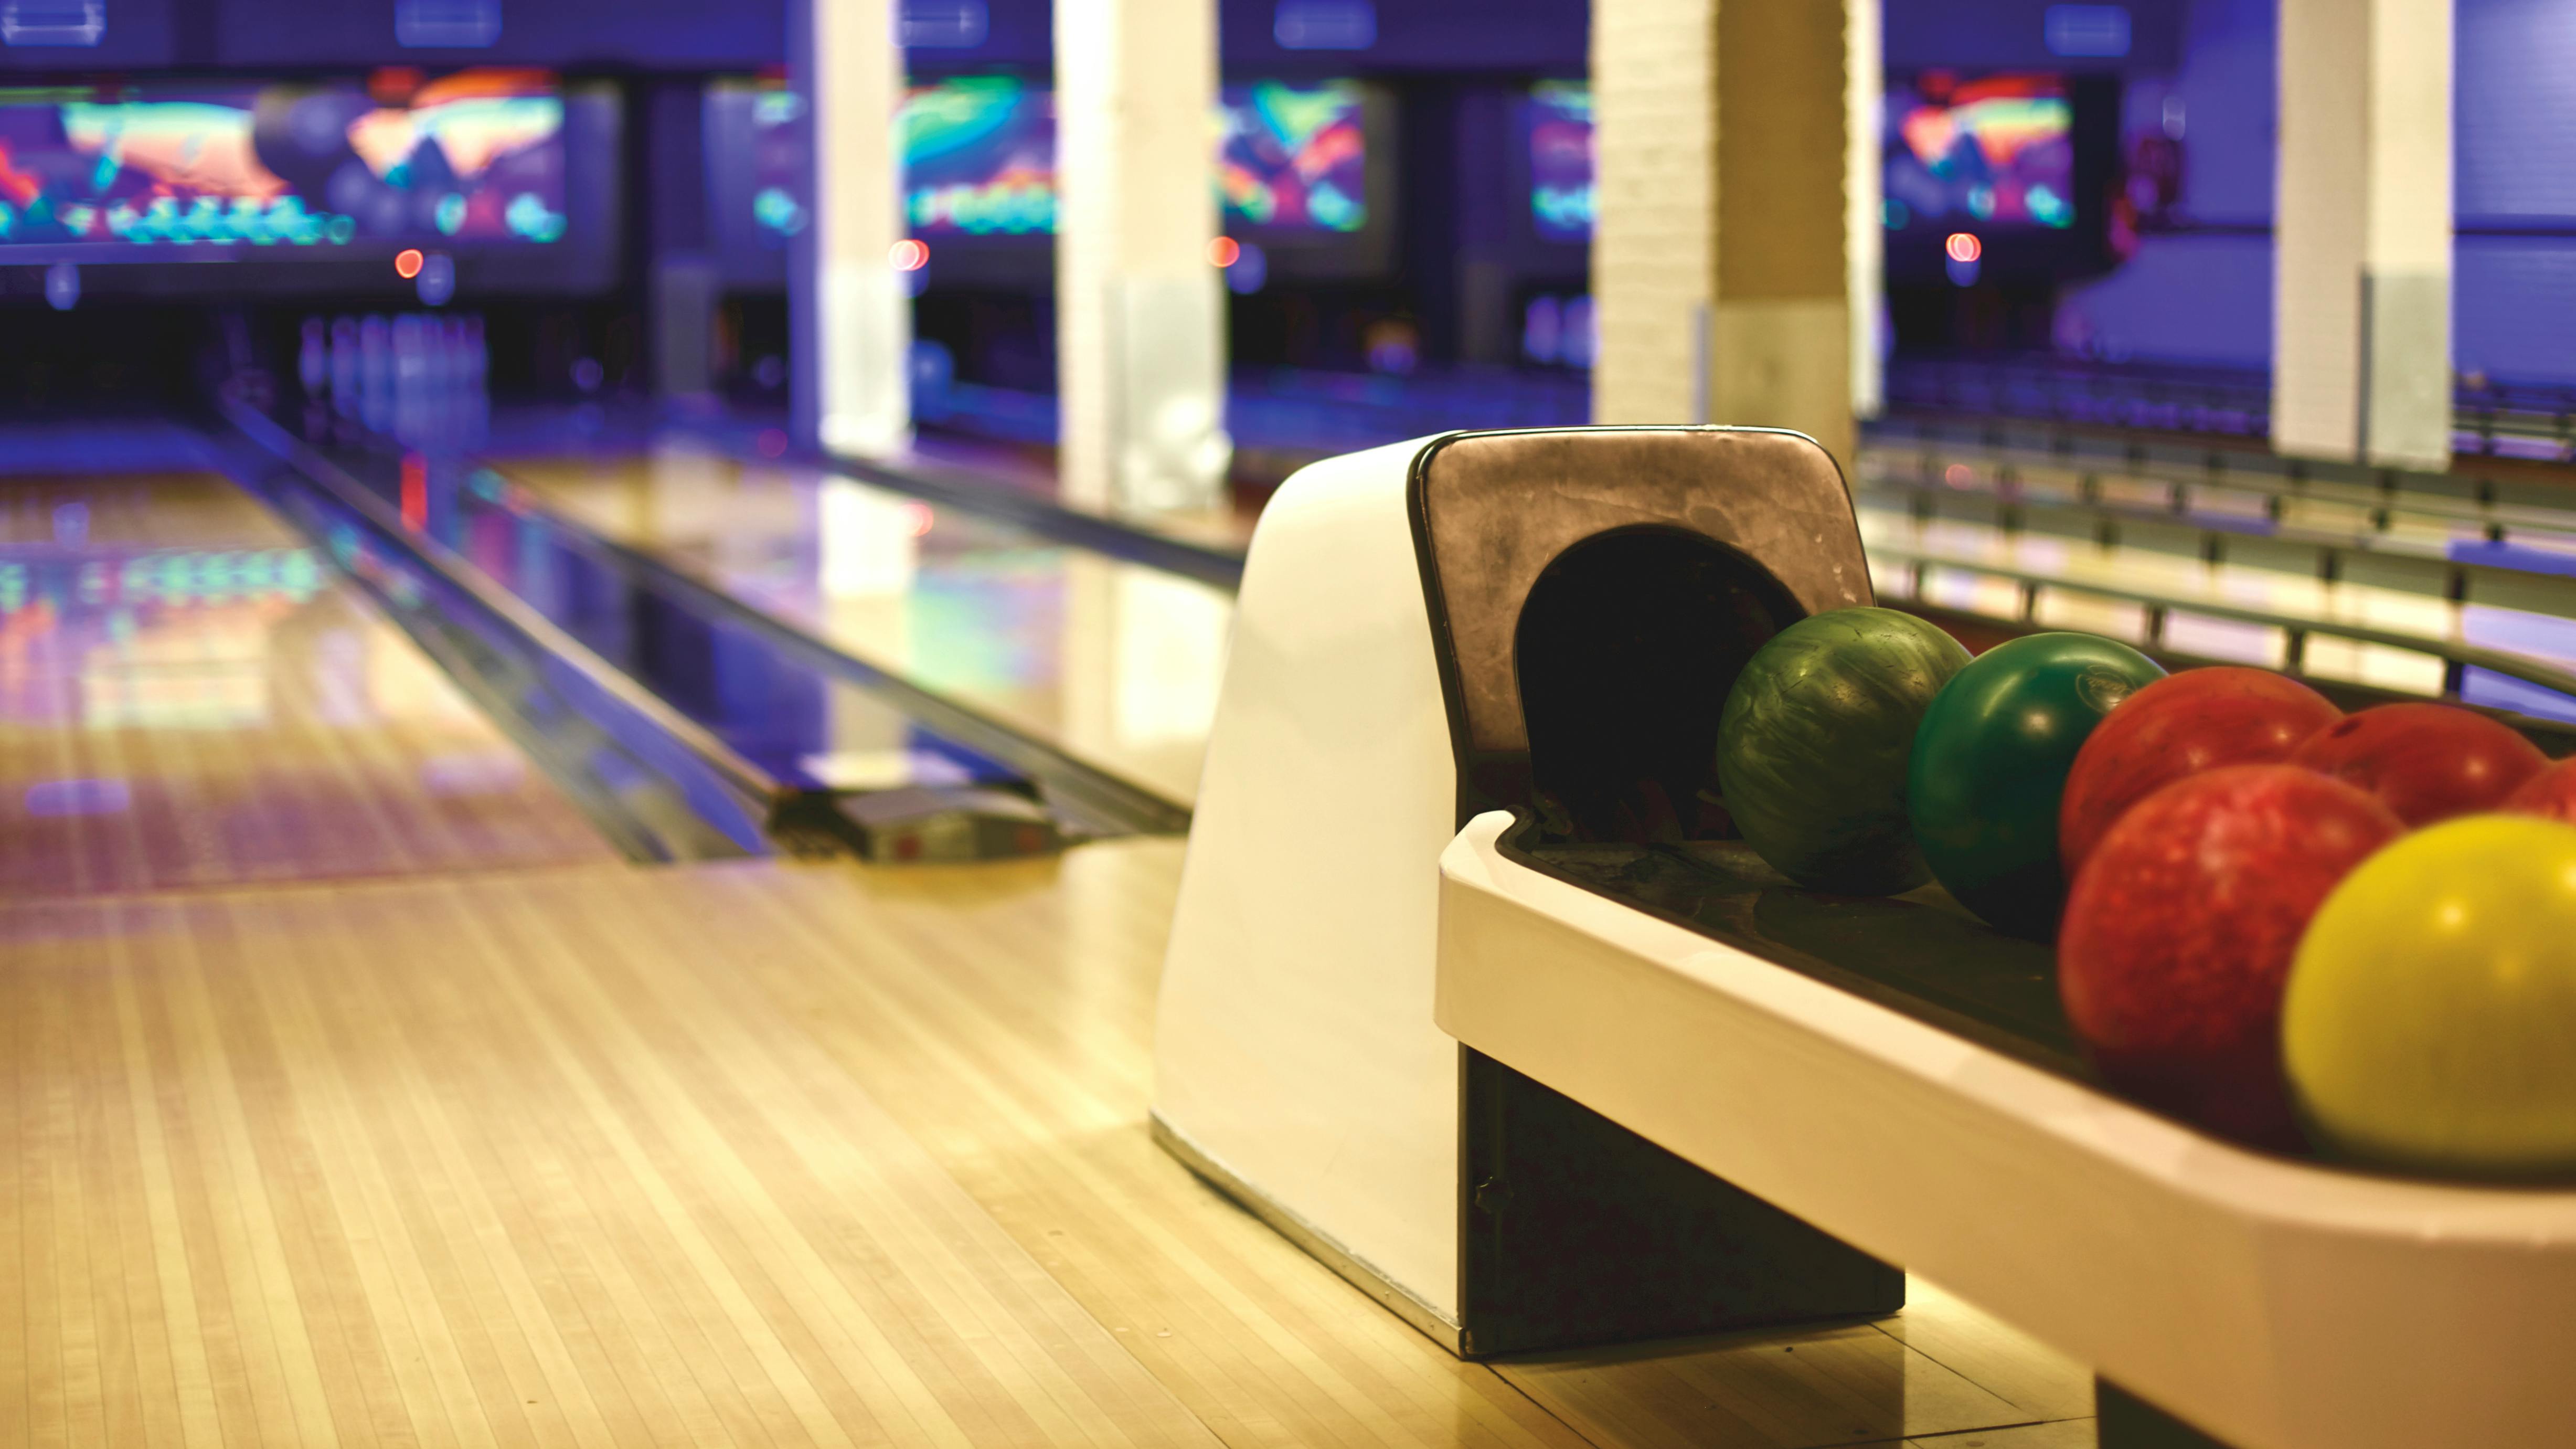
[(1556, 125), (773, 161), (979, 157), (1294, 157), (472, 157), (1994, 151)]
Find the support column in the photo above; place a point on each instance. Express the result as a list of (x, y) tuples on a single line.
[(2361, 268), (1718, 261), (1654, 241), (1140, 321), (851, 315), (1864, 233)]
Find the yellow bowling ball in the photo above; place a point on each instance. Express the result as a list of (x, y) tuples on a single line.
[(2431, 1016)]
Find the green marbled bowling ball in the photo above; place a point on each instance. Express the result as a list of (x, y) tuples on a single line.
[(1990, 766), (1812, 748)]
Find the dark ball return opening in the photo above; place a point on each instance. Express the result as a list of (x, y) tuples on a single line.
[(1626, 649)]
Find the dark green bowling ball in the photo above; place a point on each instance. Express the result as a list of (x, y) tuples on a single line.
[(1811, 750), (1990, 763)]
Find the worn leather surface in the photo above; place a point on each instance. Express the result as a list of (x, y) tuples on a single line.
[(1497, 508)]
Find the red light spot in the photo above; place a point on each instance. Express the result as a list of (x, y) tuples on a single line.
[(407, 263), (1224, 251), (1963, 247), (772, 443), (394, 85), (415, 489), (1957, 475), (917, 519), (910, 255)]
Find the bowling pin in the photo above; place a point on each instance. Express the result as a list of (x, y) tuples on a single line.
[(478, 395), (376, 373), (313, 359), (452, 376), (434, 379), (410, 379), (344, 366)]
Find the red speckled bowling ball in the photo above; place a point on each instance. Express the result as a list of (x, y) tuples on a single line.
[(2551, 794), (2427, 762), (2198, 720), (2181, 928)]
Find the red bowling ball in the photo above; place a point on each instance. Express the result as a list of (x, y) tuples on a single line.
[(2182, 725), (2551, 793), (2180, 930), (2426, 762)]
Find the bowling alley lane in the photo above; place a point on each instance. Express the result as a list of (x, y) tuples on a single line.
[(188, 699), (1114, 663)]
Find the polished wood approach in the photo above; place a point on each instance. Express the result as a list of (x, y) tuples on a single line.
[(1114, 663), (497, 1162), (188, 699), (743, 1154)]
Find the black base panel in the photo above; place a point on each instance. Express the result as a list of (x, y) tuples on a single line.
[(1919, 953), (2126, 1421), (1577, 1231)]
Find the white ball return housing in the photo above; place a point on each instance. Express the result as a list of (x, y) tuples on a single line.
[(1469, 994), (1370, 708)]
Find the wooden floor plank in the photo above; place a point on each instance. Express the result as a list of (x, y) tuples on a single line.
[(972, 1006), (173, 1277), (2011, 1363), (402, 1087), (286, 1363), (1848, 1385), (759, 1154), (2055, 1434), (141, 1399)]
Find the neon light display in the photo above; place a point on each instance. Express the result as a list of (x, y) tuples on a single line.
[(1556, 120), (777, 165), (477, 156), (1294, 158), (1993, 152), (979, 157)]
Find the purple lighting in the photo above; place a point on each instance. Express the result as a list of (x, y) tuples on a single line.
[(79, 797)]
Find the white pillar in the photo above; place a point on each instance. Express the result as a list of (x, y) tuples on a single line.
[(851, 312), (2361, 347), (1654, 241), (1140, 320), (1718, 263), (1865, 234)]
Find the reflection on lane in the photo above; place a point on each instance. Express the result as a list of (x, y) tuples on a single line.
[(1112, 662), (188, 699)]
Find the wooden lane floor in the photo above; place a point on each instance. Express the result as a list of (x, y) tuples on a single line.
[(756, 1153), (189, 699), (1115, 663)]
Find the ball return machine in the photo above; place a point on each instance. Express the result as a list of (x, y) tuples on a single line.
[(1469, 994)]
